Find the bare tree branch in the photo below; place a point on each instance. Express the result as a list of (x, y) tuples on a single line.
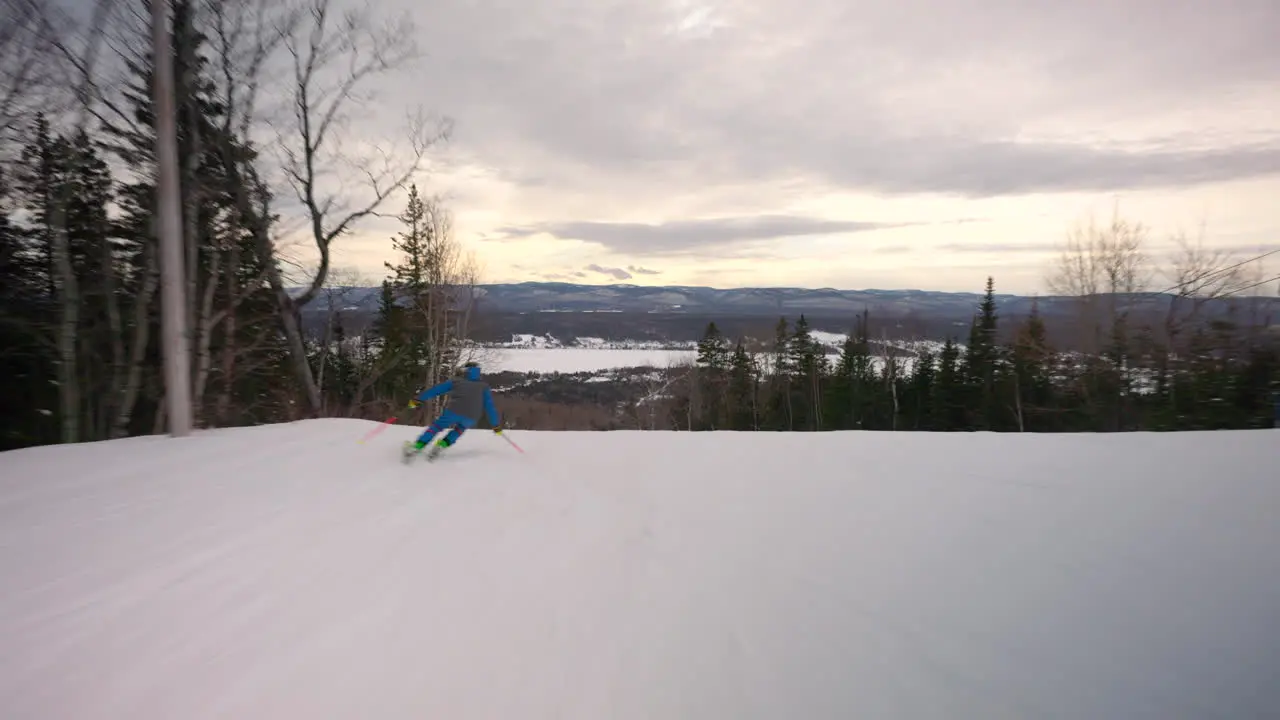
[(333, 59), (354, 49)]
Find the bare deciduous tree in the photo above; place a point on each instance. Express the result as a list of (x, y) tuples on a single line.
[(29, 65), (452, 277), (1102, 267), (333, 57), (1105, 269), (1198, 275)]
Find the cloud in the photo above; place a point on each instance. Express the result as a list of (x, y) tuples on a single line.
[(686, 235), (730, 124), (643, 270), (1252, 249), (998, 248), (972, 97), (617, 273)]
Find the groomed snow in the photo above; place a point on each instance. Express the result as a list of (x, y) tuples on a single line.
[(288, 572)]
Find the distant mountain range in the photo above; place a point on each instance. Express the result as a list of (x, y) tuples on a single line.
[(679, 314), (547, 297)]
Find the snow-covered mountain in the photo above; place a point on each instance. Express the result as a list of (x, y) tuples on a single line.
[(531, 297)]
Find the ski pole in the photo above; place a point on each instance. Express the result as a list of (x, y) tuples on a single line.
[(503, 435), (383, 426)]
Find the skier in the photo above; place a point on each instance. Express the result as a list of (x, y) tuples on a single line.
[(468, 395)]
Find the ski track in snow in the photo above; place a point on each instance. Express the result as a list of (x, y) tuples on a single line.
[(289, 572)]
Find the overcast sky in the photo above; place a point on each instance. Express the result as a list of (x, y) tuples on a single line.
[(845, 143)]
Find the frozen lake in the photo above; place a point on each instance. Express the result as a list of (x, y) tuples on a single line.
[(573, 360)]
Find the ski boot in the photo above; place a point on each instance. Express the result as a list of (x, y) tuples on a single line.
[(437, 448), (411, 450)]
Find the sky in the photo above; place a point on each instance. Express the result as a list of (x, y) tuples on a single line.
[(833, 143)]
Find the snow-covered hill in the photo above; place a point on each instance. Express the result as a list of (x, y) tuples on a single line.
[(550, 297), (291, 572)]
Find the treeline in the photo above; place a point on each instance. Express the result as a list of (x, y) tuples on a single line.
[(1223, 374), (263, 91)]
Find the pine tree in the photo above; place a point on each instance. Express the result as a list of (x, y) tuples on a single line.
[(851, 398), (712, 367), (808, 362), (743, 391), (396, 377), (779, 413), (713, 349), (237, 376), (921, 391), (1031, 373), (981, 365), (40, 174), (948, 392), (27, 395), (423, 343)]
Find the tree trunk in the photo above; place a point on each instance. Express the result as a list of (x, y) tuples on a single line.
[(205, 324), (115, 378), (141, 338), (230, 345), (190, 197), (324, 352), (68, 325), (1017, 400), (287, 310)]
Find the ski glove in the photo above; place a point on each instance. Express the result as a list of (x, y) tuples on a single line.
[(413, 404)]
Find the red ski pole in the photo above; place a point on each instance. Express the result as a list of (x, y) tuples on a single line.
[(385, 424), (503, 435)]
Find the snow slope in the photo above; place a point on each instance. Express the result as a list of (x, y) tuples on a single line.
[(288, 572)]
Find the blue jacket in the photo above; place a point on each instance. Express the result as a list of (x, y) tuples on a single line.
[(468, 396)]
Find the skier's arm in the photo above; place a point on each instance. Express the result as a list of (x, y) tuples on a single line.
[(489, 408), (436, 391)]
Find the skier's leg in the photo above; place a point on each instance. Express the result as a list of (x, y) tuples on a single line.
[(454, 434), (432, 430), (459, 425), (444, 442)]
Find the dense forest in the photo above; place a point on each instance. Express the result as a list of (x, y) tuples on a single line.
[(263, 92), (1187, 374)]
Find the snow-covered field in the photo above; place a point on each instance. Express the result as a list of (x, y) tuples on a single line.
[(575, 360), (547, 354), (290, 572)]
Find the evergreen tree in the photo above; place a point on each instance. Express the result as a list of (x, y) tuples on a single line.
[(921, 391), (851, 397), (39, 178), (410, 285), (981, 364), (713, 349), (743, 391), (948, 392), (712, 367), (422, 344), (27, 396), (779, 413), (1031, 374), (808, 362)]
